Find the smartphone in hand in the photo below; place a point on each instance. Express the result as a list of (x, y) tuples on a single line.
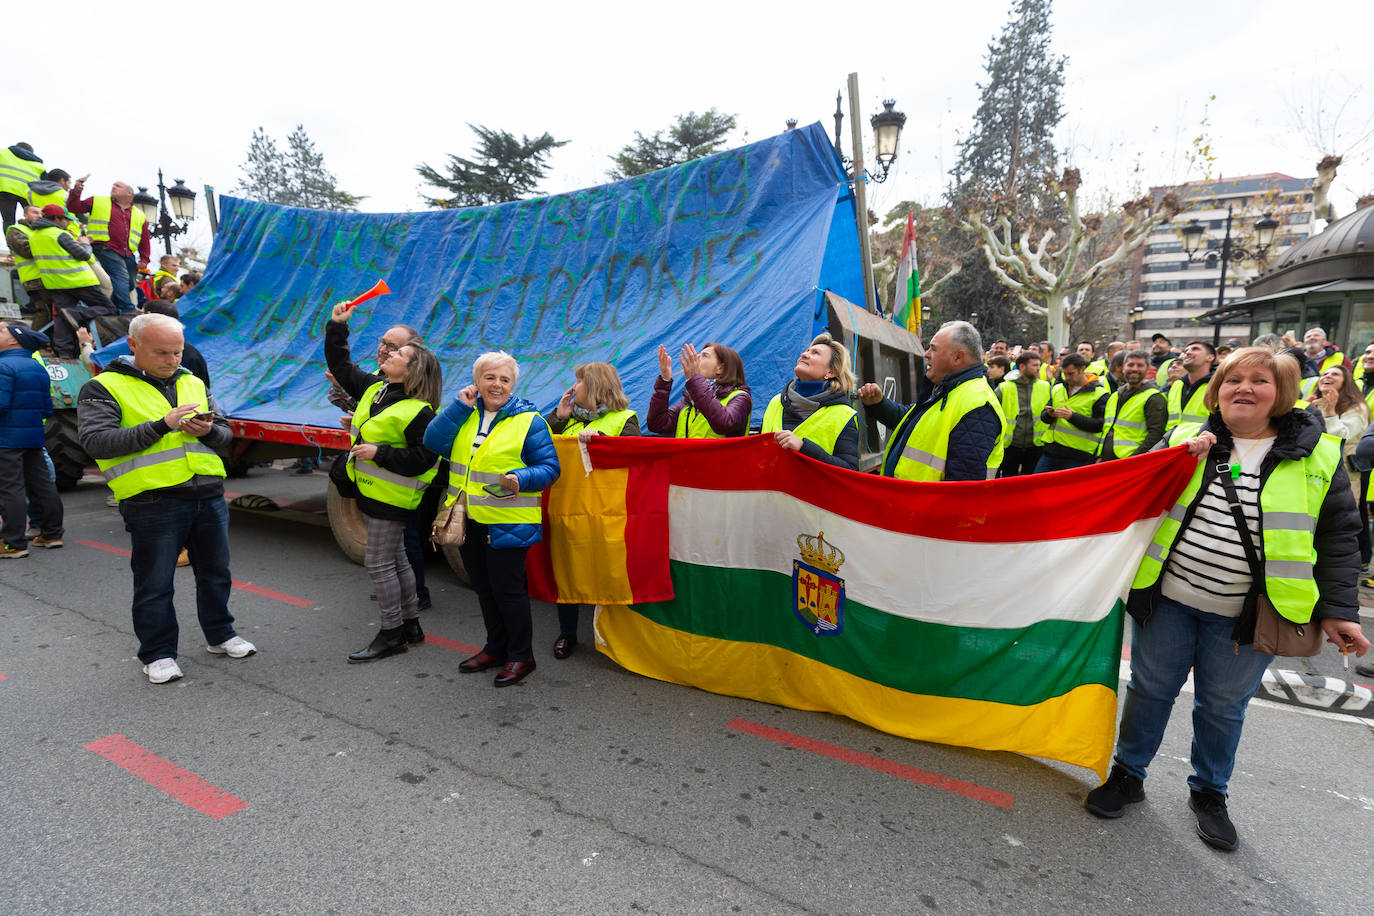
[(500, 492)]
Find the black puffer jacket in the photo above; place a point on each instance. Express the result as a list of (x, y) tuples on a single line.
[(1337, 569), (846, 453)]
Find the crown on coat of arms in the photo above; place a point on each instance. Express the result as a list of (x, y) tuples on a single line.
[(819, 553)]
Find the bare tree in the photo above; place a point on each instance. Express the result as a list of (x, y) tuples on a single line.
[(1048, 280)]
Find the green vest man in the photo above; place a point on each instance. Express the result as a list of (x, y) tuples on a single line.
[(1137, 413), (1186, 393), (1075, 416)]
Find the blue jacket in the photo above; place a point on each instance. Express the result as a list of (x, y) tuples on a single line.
[(25, 399), (970, 442), (540, 459)]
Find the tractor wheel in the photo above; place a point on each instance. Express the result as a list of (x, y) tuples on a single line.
[(455, 563), (347, 522), (69, 459)]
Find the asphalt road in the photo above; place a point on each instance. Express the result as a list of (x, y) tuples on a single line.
[(291, 781)]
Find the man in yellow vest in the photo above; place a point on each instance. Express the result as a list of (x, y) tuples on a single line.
[(1161, 356), (120, 234), (1321, 353), (19, 165), (1136, 414), (64, 265), (152, 428), (51, 188), (954, 432), (1185, 393), (1075, 416), (19, 237), (1095, 365), (1024, 399)]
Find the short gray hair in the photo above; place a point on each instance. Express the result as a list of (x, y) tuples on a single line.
[(965, 337), (149, 320), (495, 358), (1320, 330), (1272, 341)]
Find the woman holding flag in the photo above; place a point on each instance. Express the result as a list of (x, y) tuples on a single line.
[(812, 414)]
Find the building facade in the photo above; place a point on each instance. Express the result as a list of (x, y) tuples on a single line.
[(1170, 292)]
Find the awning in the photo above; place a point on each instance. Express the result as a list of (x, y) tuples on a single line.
[(1243, 306)]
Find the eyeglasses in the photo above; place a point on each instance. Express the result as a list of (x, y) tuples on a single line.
[(387, 347)]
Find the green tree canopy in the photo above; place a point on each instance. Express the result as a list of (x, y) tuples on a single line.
[(1011, 145), (690, 137), (502, 169), (298, 179)]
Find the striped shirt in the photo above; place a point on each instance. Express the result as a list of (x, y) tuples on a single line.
[(483, 427), (1207, 568)]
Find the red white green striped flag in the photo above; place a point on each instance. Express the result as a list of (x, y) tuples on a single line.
[(906, 307), (979, 614)]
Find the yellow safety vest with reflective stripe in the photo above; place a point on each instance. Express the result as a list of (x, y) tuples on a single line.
[(611, 423), (823, 427), (1097, 367), (1307, 386), (56, 267), (1127, 424), (923, 456), (1193, 411), (692, 424), (58, 197), (1290, 501), (1062, 432), (171, 460), (27, 267), (500, 453), (1335, 359), (98, 227), (1010, 393), (386, 427), (1162, 373), (16, 173)]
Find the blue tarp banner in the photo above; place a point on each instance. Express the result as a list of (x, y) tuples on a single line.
[(734, 248)]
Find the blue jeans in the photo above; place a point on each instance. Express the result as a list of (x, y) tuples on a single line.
[(1050, 462), (1225, 677), (122, 270), (158, 529)]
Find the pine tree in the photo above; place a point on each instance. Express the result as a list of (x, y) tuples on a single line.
[(691, 136), (1010, 148), (503, 169), (298, 179)]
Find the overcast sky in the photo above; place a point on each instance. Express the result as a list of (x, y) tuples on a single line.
[(382, 87)]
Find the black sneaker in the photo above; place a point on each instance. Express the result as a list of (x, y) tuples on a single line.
[(1213, 823), (425, 603), (1111, 798)]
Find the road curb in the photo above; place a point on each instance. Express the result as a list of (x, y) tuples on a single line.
[(1314, 691)]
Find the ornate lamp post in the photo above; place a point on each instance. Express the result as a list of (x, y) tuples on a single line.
[(1194, 237), (163, 221)]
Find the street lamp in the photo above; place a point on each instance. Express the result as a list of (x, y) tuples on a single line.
[(887, 130), (183, 207), (1194, 235)]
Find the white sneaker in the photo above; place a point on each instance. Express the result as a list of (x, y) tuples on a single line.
[(235, 647), (162, 670)]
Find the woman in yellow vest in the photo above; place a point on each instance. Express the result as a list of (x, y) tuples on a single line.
[(813, 413), (500, 456), (1194, 599), (386, 471), (594, 406), (715, 402)]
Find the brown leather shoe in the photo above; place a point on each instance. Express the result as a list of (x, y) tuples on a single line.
[(479, 662), (513, 673), (563, 646)]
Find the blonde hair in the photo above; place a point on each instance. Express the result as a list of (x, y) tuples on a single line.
[(495, 358), (603, 385), (843, 382), (1284, 370), (424, 375)]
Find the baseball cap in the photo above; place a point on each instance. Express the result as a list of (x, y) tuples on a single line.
[(28, 338), (1154, 337), (56, 210)]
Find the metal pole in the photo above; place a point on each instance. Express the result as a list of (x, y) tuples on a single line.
[(163, 223), (211, 211), (1221, 284), (861, 195)]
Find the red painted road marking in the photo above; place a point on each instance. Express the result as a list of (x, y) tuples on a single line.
[(455, 645), (237, 583), (3, 678), (868, 761), (183, 785)]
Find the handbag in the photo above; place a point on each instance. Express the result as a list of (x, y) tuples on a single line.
[(1274, 633), (450, 525)]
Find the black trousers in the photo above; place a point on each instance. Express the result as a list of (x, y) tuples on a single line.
[(1017, 462), (23, 480), (498, 577), (80, 305)]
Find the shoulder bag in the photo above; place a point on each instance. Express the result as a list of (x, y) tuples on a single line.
[(450, 525)]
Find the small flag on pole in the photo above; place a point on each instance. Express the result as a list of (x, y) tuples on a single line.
[(907, 301)]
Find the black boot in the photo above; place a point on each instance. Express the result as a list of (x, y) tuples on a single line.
[(1213, 822), (386, 642), (414, 634), (1111, 798)]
